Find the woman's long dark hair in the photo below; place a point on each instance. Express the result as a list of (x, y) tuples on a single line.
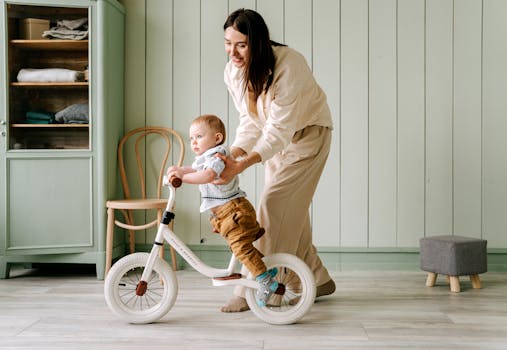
[(259, 68)]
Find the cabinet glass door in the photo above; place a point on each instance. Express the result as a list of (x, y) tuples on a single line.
[(48, 59)]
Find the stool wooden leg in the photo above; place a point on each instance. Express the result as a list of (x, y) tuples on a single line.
[(454, 280), (431, 279), (476, 281)]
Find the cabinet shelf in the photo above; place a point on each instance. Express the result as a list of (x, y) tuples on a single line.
[(50, 44), (77, 84), (19, 125)]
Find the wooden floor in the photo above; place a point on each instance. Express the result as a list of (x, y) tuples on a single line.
[(370, 310)]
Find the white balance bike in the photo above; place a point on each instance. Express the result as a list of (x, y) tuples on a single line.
[(142, 287)]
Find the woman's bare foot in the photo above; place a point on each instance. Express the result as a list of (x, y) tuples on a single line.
[(235, 304)]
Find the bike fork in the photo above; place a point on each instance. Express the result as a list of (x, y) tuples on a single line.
[(157, 245)]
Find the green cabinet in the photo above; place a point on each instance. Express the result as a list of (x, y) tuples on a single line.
[(61, 117)]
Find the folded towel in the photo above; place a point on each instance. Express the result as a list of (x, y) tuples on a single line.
[(41, 115), (36, 121), (66, 34), (73, 114), (49, 75)]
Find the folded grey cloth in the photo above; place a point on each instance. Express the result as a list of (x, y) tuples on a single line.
[(76, 29), (73, 114), (67, 34)]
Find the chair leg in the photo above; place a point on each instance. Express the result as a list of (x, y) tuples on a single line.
[(455, 287), (132, 237), (431, 279), (109, 239), (476, 281)]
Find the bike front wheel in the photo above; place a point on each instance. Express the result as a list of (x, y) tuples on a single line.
[(298, 293), (157, 298)]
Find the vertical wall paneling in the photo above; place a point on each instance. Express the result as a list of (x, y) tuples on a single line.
[(494, 123), (186, 104), (135, 85), (326, 68), (410, 191), (135, 56), (159, 59), (417, 94), (382, 123), (273, 13), (213, 91), (298, 27), (213, 58), (237, 4), (354, 123), (158, 89), (439, 121), (467, 117)]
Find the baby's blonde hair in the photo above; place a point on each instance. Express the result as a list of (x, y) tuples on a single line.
[(213, 122)]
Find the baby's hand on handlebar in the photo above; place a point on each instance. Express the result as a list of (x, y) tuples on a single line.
[(174, 171), (172, 168), (174, 176)]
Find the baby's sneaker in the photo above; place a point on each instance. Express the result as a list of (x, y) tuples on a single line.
[(267, 286)]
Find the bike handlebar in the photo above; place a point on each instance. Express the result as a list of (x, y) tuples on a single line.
[(175, 181)]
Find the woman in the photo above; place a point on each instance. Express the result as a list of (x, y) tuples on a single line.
[(285, 123)]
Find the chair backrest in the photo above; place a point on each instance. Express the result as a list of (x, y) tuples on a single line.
[(138, 136)]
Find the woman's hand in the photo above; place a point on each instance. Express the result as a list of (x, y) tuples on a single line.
[(232, 168), (235, 167)]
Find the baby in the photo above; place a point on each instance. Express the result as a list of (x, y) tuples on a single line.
[(231, 213)]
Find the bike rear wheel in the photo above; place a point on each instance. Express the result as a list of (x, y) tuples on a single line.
[(122, 281), (298, 296)]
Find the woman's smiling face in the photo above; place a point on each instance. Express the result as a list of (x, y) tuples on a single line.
[(236, 47)]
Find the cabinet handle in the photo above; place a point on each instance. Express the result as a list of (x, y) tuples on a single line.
[(2, 122), (3, 133)]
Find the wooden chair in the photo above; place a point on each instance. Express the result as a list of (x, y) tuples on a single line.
[(128, 205)]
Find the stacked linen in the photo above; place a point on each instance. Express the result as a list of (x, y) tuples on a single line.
[(73, 114), (39, 117), (75, 29), (49, 75)]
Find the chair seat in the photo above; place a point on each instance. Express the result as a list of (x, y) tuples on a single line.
[(150, 203)]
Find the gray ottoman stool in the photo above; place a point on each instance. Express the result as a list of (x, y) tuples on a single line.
[(453, 256)]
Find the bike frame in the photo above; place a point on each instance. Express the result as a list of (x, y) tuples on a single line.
[(165, 233)]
